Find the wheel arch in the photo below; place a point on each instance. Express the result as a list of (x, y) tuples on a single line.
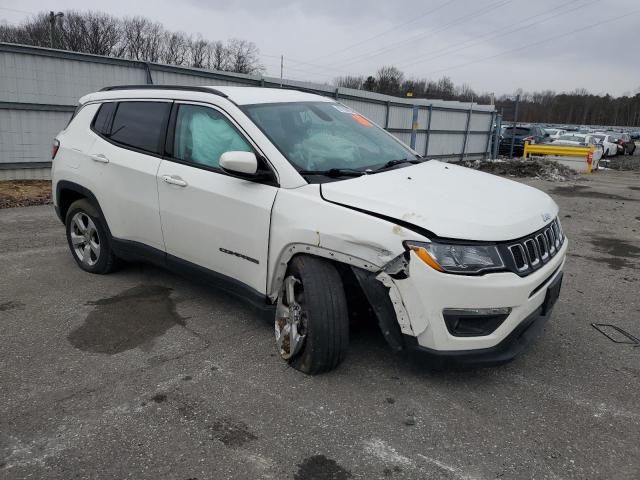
[(293, 249), (68, 192), (355, 273)]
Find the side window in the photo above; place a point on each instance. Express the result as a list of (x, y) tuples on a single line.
[(140, 125), (203, 134), (102, 121)]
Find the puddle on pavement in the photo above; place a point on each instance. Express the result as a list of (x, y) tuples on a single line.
[(127, 320), (582, 191), (621, 253), (6, 306), (319, 466), (616, 247)]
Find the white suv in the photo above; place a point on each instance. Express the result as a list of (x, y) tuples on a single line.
[(307, 209)]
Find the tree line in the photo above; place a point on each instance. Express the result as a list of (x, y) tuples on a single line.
[(135, 38), (138, 38), (578, 107), (575, 108)]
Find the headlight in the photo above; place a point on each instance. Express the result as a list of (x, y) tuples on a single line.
[(457, 258)]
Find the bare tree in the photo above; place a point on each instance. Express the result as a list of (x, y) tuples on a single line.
[(153, 36), (220, 54), (103, 34), (370, 84), (134, 37), (36, 31), (349, 81), (200, 52), (175, 48), (73, 32), (465, 93), (388, 80), (243, 57)]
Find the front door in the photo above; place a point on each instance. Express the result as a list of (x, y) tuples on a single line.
[(209, 218)]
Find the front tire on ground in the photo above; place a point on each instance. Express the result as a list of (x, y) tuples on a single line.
[(312, 319), (88, 239)]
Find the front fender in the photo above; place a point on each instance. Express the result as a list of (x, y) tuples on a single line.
[(302, 222)]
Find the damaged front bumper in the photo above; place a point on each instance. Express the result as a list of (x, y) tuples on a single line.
[(419, 296)]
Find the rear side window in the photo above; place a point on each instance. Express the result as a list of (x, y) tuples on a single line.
[(140, 125), (102, 122), (518, 131)]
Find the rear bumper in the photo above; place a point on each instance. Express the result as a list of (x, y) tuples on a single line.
[(505, 351)]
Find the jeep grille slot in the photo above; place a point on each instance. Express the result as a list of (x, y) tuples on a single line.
[(533, 251), (517, 251)]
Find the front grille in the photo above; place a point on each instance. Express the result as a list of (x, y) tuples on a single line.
[(533, 251)]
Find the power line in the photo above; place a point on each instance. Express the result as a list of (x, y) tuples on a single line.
[(517, 26), (366, 40), (333, 67), (458, 21), (16, 10), (555, 37)]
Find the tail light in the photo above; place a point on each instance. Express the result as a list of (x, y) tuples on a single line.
[(529, 139), (54, 148)]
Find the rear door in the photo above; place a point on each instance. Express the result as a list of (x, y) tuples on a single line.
[(126, 156), (209, 218)]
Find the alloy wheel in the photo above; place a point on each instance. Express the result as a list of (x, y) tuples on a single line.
[(85, 240), (291, 318)]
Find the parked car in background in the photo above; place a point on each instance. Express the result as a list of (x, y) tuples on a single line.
[(518, 135), (625, 144), (608, 142), (583, 140), (554, 133), (635, 135)]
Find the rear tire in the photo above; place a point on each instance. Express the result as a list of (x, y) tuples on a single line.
[(88, 238), (312, 319)]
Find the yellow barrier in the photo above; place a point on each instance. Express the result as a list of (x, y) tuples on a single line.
[(561, 151)]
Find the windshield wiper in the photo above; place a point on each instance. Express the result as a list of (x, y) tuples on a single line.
[(393, 163), (334, 172)]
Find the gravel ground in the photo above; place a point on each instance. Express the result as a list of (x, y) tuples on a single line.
[(142, 374)]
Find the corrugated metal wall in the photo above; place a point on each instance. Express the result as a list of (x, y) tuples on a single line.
[(40, 87)]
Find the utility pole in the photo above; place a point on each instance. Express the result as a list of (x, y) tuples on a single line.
[(281, 68), (513, 130), (52, 21)]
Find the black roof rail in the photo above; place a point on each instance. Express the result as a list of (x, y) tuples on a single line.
[(165, 87)]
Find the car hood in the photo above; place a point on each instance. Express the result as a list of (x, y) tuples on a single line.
[(449, 201)]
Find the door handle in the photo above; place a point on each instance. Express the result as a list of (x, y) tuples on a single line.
[(99, 158), (174, 180)]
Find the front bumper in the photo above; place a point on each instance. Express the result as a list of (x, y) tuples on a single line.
[(426, 293), (505, 351)]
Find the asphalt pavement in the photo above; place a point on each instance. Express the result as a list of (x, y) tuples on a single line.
[(144, 374)]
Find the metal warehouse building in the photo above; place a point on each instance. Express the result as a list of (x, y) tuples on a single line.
[(40, 88)]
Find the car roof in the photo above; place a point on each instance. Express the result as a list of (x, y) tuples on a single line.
[(236, 94)]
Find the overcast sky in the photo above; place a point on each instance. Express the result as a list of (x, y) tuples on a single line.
[(492, 45)]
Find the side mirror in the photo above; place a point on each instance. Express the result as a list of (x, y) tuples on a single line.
[(240, 163)]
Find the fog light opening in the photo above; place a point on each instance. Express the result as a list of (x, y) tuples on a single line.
[(474, 322)]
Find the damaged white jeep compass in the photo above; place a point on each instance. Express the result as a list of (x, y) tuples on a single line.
[(306, 208)]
